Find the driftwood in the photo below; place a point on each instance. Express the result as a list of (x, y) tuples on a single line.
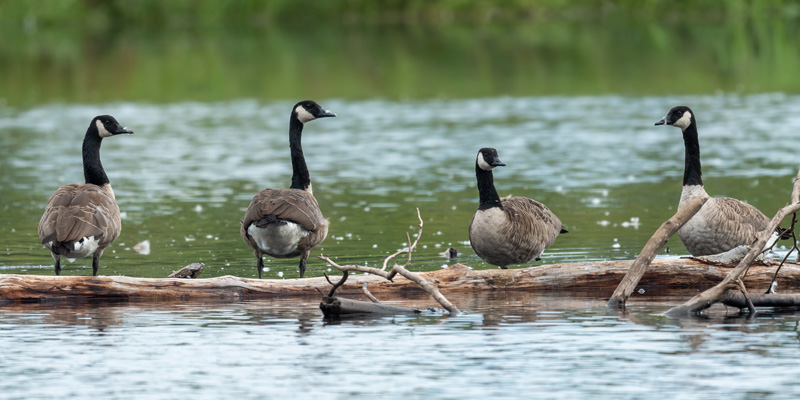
[(333, 306), (733, 281), (648, 253), (401, 270), (598, 278), (191, 271)]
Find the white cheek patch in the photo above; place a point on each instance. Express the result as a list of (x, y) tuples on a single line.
[(303, 115), (483, 164), (685, 120), (102, 129)]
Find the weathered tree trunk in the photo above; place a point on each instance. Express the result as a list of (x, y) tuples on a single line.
[(598, 277)]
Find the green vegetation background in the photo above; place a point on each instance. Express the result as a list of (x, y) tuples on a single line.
[(206, 50)]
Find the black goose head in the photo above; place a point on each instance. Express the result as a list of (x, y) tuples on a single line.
[(680, 116), (106, 125), (308, 110), (488, 159)]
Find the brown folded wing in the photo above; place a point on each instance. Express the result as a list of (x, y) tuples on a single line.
[(534, 227), (293, 205), (77, 211)]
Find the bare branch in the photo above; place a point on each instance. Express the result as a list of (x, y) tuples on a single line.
[(369, 295), (656, 242), (795, 197), (718, 293), (428, 287), (410, 246), (401, 269), (750, 306), (360, 268), (794, 247), (336, 285)]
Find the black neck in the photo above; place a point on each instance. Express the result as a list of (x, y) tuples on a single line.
[(488, 194), (92, 168), (691, 172), (300, 178)]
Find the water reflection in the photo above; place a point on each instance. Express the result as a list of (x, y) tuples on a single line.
[(503, 345)]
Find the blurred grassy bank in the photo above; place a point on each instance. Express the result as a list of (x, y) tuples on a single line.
[(206, 50)]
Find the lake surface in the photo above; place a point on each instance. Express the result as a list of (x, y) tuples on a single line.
[(512, 345), (568, 99), (184, 179)]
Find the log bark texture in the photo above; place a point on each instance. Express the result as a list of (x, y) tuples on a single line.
[(599, 278)]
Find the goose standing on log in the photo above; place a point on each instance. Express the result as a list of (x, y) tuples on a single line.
[(722, 223), (512, 230), (80, 220), (287, 223)]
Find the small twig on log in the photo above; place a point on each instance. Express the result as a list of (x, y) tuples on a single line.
[(401, 269), (718, 293), (794, 247), (750, 307), (410, 246), (369, 295), (656, 242), (336, 285)]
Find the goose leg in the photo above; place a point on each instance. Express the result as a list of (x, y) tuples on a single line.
[(303, 264), (58, 264), (96, 262), (260, 265)]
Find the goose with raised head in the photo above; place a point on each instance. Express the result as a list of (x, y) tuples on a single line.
[(287, 223), (80, 220), (511, 230), (723, 223)]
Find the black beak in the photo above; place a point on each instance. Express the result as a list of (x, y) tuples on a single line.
[(121, 129), (663, 121), (498, 163), (325, 113)]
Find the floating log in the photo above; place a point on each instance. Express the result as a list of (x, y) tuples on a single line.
[(599, 278), (338, 306)]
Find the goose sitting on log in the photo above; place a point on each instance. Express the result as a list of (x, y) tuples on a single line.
[(80, 220), (512, 230), (723, 223), (287, 223)]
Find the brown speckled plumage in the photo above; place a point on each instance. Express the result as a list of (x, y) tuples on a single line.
[(515, 233), (286, 205)]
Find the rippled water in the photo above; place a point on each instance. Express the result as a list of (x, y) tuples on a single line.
[(507, 346), (186, 176)]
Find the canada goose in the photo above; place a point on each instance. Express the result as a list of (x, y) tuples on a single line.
[(722, 223), (287, 223), (512, 230), (84, 219)]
